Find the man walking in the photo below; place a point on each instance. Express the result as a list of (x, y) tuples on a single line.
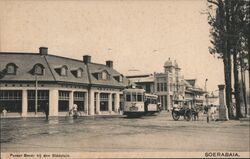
[(46, 110)]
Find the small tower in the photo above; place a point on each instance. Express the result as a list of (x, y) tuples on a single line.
[(169, 66)]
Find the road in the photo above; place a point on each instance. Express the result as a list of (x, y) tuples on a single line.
[(158, 133)]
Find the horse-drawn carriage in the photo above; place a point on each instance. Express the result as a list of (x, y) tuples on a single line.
[(185, 108)]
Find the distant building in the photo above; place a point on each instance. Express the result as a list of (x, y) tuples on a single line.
[(146, 81), (170, 85), (61, 83), (194, 93)]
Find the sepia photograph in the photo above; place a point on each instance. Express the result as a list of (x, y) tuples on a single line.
[(124, 79)]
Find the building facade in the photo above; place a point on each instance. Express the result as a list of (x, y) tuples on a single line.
[(169, 85), (29, 81)]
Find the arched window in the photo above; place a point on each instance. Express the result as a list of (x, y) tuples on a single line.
[(104, 75), (38, 69), (11, 69), (64, 71), (79, 73), (120, 78)]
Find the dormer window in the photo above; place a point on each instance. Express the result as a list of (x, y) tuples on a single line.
[(38, 69), (102, 75), (11, 69), (77, 72), (62, 70), (119, 78)]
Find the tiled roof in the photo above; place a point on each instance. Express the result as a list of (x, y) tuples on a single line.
[(57, 62), (26, 61), (94, 68)]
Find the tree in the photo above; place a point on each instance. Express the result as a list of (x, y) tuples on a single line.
[(219, 39), (230, 34)]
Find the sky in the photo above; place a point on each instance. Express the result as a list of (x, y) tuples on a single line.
[(137, 35)]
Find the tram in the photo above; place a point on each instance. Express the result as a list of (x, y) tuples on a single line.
[(139, 103)]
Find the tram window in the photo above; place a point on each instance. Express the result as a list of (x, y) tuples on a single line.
[(139, 97), (133, 97), (128, 98), (154, 101)]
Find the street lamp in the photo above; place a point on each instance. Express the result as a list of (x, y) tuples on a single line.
[(206, 93)]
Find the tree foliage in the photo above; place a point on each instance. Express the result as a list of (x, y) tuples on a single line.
[(229, 21)]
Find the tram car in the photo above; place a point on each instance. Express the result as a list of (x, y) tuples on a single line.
[(139, 103)]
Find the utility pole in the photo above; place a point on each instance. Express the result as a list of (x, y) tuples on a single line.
[(206, 95), (206, 85), (36, 92)]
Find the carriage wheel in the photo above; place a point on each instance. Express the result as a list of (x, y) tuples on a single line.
[(175, 115), (188, 115)]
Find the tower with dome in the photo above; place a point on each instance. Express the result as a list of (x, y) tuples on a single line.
[(169, 84)]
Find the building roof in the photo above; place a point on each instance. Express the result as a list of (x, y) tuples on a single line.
[(97, 68), (71, 64), (26, 61), (192, 87), (186, 83), (191, 82), (138, 76), (142, 78)]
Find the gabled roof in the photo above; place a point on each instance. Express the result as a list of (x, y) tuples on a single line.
[(193, 87), (191, 81), (186, 83)]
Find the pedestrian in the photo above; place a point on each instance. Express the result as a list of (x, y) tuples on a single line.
[(46, 110), (75, 108), (208, 113), (75, 112), (212, 111), (4, 112)]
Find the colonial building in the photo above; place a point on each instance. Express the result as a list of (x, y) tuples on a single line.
[(169, 85), (59, 82)]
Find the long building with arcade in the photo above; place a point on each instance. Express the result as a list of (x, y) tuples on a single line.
[(28, 81)]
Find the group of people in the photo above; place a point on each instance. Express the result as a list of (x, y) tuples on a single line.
[(72, 112), (210, 110)]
